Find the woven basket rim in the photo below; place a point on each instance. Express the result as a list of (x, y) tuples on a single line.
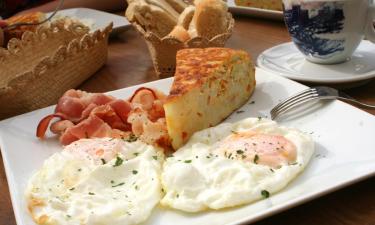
[(75, 46)]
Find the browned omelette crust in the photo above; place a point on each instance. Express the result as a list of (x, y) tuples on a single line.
[(195, 66), (209, 84)]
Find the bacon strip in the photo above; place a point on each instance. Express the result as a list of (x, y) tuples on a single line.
[(86, 115)]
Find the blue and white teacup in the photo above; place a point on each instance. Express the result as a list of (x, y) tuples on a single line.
[(329, 31)]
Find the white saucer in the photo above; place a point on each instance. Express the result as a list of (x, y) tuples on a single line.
[(287, 61)]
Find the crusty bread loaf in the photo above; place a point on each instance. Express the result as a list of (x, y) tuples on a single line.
[(154, 15), (186, 17), (179, 33), (210, 18), (209, 84), (178, 5)]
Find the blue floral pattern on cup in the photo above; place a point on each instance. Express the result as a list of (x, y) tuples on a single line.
[(310, 25)]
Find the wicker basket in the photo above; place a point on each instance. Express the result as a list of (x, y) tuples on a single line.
[(163, 50), (36, 70)]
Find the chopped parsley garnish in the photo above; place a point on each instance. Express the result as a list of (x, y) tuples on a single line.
[(131, 138), (256, 159), (136, 153), (118, 162), (272, 170), (103, 161), (79, 170), (265, 193), (230, 155), (91, 193), (293, 164), (234, 132), (122, 183), (252, 102), (187, 161), (177, 195), (155, 157), (112, 181), (134, 172), (136, 187), (259, 118), (71, 189), (69, 216), (240, 111), (240, 151)]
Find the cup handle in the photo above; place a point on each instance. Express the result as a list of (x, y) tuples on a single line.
[(370, 30)]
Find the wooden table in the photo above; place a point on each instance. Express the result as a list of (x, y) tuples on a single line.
[(129, 64)]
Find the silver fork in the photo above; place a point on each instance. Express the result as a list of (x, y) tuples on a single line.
[(313, 93)]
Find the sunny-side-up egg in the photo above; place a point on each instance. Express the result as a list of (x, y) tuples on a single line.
[(97, 182), (234, 164)]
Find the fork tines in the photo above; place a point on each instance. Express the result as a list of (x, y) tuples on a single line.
[(293, 101)]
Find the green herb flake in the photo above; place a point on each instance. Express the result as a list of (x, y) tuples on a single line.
[(259, 118), (118, 162), (112, 181), (155, 157), (256, 159), (272, 170), (69, 216), (79, 170), (134, 172), (136, 153), (240, 151), (71, 189), (265, 193), (187, 161), (131, 138), (118, 184), (91, 193), (103, 161), (234, 132)]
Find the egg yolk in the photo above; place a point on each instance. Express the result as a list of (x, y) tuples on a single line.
[(265, 149)]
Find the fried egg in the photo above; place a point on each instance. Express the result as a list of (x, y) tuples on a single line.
[(234, 164), (97, 181)]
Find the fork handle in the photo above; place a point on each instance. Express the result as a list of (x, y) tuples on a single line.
[(357, 102)]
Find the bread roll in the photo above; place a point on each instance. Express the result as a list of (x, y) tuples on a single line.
[(178, 5), (154, 15), (186, 17), (210, 18), (180, 33)]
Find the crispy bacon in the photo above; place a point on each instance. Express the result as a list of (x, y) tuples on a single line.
[(87, 115)]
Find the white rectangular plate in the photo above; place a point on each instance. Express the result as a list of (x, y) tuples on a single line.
[(99, 19), (344, 138), (255, 12)]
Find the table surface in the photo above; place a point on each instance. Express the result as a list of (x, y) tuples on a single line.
[(129, 64)]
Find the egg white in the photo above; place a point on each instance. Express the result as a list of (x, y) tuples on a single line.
[(195, 179), (76, 186)]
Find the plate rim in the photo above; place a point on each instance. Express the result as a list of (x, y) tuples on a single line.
[(260, 63), (274, 210), (96, 11)]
